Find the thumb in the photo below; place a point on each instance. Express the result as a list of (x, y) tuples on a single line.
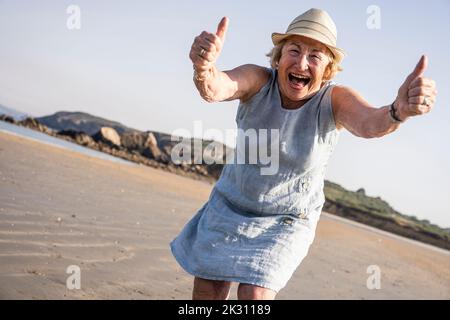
[(419, 69), (222, 28)]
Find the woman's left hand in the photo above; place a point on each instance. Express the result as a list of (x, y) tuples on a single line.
[(417, 94)]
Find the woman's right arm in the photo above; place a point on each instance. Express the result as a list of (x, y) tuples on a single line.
[(214, 85)]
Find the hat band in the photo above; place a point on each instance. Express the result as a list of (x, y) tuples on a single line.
[(316, 22), (325, 28)]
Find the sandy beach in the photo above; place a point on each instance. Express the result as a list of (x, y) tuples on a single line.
[(115, 221)]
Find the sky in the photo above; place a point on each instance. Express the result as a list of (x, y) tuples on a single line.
[(129, 62)]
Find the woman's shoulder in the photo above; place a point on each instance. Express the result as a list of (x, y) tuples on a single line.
[(341, 96), (256, 77)]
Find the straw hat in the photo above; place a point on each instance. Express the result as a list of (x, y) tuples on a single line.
[(315, 24)]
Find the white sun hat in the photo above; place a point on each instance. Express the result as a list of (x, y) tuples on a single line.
[(315, 24)]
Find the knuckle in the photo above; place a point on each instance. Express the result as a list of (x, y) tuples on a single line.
[(209, 46), (207, 35)]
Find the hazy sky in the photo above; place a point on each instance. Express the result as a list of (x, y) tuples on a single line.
[(129, 62)]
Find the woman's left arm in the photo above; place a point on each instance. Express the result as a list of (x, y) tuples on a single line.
[(416, 96)]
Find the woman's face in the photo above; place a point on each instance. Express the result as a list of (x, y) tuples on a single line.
[(301, 68)]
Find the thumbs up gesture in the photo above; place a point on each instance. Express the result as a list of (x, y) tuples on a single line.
[(207, 47), (417, 94)]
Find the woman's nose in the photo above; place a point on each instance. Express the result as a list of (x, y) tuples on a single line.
[(303, 62)]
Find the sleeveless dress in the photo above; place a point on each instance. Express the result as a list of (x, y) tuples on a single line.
[(257, 228)]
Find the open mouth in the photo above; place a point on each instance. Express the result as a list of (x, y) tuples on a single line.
[(299, 80)]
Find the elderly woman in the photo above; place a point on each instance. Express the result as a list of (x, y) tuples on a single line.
[(255, 229)]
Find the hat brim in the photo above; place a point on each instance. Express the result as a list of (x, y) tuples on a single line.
[(338, 53)]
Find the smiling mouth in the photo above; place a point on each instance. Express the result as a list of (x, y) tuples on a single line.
[(299, 80)]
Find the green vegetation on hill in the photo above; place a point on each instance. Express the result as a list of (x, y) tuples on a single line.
[(359, 200), (365, 209)]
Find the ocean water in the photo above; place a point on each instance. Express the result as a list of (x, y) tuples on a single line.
[(44, 138)]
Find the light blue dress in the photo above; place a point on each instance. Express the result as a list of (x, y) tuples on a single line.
[(256, 228)]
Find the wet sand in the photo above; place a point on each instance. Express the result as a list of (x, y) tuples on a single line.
[(115, 221)]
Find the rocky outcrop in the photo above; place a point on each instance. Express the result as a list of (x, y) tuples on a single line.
[(151, 148), (145, 143), (139, 147), (36, 125), (4, 117), (108, 136), (133, 140), (79, 137)]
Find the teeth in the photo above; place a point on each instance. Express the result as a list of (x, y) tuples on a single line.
[(299, 76)]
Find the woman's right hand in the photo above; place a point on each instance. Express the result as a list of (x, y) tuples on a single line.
[(206, 49), (214, 85)]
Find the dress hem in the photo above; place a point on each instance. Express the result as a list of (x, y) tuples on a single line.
[(252, 281)]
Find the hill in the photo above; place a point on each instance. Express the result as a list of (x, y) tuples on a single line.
[(81, 122)]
